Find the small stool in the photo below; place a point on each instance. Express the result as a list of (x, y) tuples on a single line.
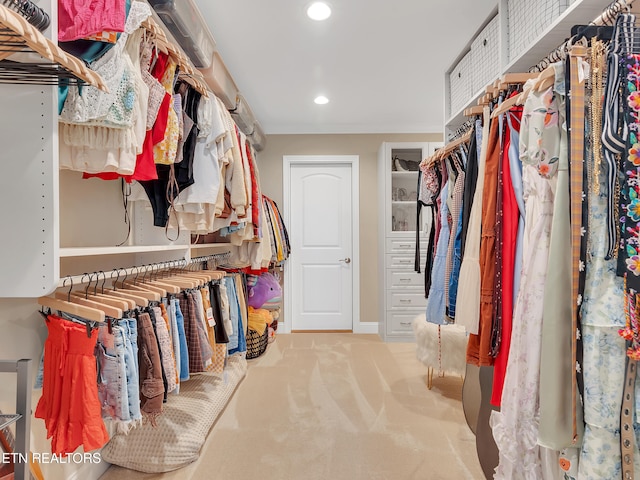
[(440, 346)]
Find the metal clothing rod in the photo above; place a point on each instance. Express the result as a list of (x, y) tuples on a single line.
[(141, 271), (462, 129), (607, 17)]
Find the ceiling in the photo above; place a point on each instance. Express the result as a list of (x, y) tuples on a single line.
[(380, 62)]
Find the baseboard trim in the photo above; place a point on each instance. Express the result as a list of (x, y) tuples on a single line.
[(321, 331), (366, 327)]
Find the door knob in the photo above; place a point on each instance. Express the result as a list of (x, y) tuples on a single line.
[(345, 260)]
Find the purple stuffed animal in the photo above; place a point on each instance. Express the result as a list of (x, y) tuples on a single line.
[(266, 288)]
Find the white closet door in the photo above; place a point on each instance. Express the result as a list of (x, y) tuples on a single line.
[(321, 232)]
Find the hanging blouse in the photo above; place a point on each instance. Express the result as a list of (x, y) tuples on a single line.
[(78, 20), (468, 312), (164, 153), (108, 143)]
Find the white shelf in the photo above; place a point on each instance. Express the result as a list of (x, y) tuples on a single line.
[(404, 202), (199, 246), (405, 174), (93, 251), (580, 12), (458, 118)]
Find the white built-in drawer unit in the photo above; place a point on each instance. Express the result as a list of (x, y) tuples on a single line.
[(399, 324), (406, 299), (406, 245), (404, 279), (395, 260), (401, 289)]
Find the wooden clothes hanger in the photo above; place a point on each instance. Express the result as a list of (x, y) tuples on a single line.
[(187, 73), (448, 148), (137, 290), (139, 300), (122, 304), (108, 310), (168, 287), (82, 311)]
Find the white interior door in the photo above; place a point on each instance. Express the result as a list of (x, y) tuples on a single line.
[(321, 259)]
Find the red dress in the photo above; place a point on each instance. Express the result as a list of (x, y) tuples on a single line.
[(510, 216)]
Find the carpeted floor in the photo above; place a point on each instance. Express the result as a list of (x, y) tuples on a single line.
[(336, 406)]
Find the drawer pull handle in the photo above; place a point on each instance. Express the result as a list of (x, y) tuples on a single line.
[(405, 280), (405, 300), (405, 262), (405, 245), (405, 324)]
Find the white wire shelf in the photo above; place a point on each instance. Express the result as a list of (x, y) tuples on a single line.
[(94, 251)]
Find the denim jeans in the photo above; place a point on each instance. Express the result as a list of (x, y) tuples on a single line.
[(166, 349), (178, 338), (130, 329), (40, 374), (455, 271), (112, 374), (237, 341)]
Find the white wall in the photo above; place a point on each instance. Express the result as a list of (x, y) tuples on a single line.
[(366, 147)]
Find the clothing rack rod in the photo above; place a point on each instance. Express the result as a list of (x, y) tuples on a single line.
[(140, 270), (606, 17)]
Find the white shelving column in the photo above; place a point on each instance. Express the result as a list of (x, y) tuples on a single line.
[(29, 186)]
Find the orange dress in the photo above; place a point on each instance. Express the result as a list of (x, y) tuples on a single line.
[(69, 404), (479, 347)]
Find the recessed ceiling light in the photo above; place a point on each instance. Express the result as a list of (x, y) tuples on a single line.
[(321, 100), (319, 11)]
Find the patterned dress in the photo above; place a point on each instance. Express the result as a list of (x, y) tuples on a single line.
[(515, 427)]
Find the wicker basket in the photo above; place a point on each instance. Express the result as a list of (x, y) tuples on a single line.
[(256, 343)]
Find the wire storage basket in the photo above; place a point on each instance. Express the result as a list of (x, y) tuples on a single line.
[(485, 54), (528, 19), (460, 84)]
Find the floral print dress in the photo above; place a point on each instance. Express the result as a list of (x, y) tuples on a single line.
[(515, 427), (607, 337)]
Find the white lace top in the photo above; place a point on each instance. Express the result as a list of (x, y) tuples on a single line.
[(89, 105)]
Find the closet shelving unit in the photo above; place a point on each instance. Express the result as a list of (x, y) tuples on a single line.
[(403, 289), (578, 12), (54, 222)]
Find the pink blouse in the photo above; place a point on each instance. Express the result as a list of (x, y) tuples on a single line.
[(79, 19)]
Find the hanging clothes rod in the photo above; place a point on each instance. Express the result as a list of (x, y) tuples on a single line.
[(141, 271), (607, 17), (462, 130), (19, 36)]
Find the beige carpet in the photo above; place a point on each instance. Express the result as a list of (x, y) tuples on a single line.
[(340, 407)]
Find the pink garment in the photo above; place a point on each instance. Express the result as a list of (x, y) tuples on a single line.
[(80, 18)]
